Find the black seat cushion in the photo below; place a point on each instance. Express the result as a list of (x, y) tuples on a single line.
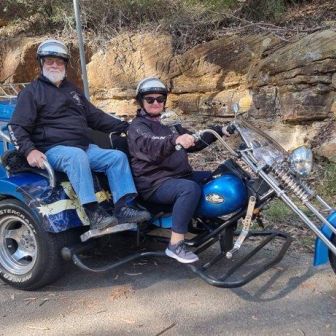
[(109, 141), (155, 208)]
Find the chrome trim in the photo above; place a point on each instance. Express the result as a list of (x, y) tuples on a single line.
[(282, 194), (50, 170)]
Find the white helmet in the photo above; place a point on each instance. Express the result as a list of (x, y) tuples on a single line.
[(150, 85), (53, 48)]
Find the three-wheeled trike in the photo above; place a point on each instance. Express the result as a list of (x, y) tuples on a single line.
[(42, 223)]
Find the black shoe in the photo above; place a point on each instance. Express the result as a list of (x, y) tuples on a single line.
[(100, 219), (131, 214)]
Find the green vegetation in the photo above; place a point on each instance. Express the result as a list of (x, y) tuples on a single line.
[(326, 186), (41, 15), (278, 211), (189, 21), (272, 10)]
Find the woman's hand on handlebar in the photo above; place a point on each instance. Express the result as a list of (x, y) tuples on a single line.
[(35, 158), (228, 130), (185, 140), (225, 130)]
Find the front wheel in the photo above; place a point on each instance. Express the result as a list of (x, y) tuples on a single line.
[(332, 256), (29, 256)]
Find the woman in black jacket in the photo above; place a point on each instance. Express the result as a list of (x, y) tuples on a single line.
[(163, 174)]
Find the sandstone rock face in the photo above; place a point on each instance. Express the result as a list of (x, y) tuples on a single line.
[(128, 60), (18, 61), (273, 80), (113, 75), (289, 85), (325, 141), (302, 72), (328, 150)]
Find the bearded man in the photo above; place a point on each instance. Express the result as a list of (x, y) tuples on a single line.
[(52, 121)]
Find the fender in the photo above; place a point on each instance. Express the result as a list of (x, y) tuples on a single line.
[(321, 255), (58, 209)]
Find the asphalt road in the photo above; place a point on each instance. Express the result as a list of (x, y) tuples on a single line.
[(161, 297)]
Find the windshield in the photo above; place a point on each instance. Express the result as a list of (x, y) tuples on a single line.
[(264, 148)]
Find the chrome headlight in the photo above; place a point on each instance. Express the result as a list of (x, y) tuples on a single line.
[(301, 161)]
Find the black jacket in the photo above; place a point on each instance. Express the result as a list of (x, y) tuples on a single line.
[(46, 116), (154, 158)]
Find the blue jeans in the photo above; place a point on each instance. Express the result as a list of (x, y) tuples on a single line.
[(184, 195), (78, 163)]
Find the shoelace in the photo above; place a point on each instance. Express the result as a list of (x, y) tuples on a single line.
[(181, 247), (129, 211), (101, 214)]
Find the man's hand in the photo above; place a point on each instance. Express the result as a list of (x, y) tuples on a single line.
[(185, 140), (35, 158)]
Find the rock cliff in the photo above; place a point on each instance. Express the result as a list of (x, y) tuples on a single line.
[(288, 87)]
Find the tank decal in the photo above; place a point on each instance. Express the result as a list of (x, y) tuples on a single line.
[(223, 195)]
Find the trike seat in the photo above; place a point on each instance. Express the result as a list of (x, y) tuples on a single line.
[(156, 209)]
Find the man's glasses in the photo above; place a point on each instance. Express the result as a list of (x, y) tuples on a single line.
[(151, 100), (51, 61)]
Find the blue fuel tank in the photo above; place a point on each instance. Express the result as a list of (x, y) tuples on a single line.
[(222, 196)]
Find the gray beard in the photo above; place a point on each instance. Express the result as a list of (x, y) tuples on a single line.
[(54, 77)]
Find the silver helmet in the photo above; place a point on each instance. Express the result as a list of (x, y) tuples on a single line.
[(53, 48), (150, 85)]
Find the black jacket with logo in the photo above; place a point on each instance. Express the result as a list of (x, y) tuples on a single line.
[(154, 157), (46, 116)]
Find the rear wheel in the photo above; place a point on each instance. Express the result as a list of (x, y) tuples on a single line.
[(29, 256), (332, 257)]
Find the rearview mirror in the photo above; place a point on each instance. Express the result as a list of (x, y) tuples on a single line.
[(235, 108)]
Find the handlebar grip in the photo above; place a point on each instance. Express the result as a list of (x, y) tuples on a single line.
[(196, 136), (231, 129)]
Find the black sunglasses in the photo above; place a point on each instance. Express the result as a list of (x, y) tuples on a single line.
[(151, 100)]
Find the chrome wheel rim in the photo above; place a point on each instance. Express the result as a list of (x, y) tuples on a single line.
[(18, 246)]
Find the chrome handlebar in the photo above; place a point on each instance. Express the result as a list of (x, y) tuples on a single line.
[(51, 173), (219, 138)]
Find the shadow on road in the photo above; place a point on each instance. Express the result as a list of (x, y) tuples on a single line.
[(275, 286), (143, 273)]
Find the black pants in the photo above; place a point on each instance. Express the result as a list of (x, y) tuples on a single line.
[(184, 195)]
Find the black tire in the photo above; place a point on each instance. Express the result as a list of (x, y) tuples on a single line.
[(30, 257), (332, 257)]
